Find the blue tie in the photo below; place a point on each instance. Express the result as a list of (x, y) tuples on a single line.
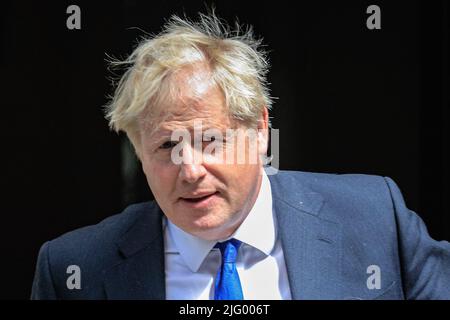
[(228, 285)]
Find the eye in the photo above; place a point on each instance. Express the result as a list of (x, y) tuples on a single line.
[(168, 145), (209, 138)]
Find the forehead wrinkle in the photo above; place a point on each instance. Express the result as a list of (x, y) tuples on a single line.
[(189, 125), (207, 108)]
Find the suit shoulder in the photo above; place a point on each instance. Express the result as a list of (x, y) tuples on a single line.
[(323, 181), (99, 238), (359, 196), (92, 250)]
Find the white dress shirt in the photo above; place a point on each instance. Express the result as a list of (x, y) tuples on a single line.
[(192, 263)]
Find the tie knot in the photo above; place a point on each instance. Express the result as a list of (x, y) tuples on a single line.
[(229, 250)]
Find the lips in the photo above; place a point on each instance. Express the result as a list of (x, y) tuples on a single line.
[(199, 196), (199, 199)]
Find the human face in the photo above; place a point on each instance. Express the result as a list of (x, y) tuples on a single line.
[(208, 199)]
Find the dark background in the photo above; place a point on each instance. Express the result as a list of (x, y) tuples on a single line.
[(350, 100)]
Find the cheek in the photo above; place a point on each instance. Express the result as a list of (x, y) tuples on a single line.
[(239, 179), (160, 177)]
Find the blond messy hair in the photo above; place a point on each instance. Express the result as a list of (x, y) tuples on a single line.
[(235, 58)]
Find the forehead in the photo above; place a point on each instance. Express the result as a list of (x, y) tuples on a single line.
[(189, 95)]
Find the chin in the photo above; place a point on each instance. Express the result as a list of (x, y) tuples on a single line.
[(209, 227)]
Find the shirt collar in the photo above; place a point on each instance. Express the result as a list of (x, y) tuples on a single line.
[(257, 230)]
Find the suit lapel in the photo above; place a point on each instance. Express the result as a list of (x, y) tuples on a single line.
[(140, 274), (311, 244)]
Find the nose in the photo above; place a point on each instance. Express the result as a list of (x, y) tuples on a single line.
[(191, 168), (191, 173)]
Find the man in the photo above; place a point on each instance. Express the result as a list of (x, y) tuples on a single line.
[(194, 103)]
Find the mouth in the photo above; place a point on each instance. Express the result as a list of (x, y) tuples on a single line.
[(200, 200)]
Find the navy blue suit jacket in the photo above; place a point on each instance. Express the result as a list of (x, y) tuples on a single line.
[(332, 228)]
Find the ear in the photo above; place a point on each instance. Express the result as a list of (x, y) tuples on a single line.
[(263, 132)]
